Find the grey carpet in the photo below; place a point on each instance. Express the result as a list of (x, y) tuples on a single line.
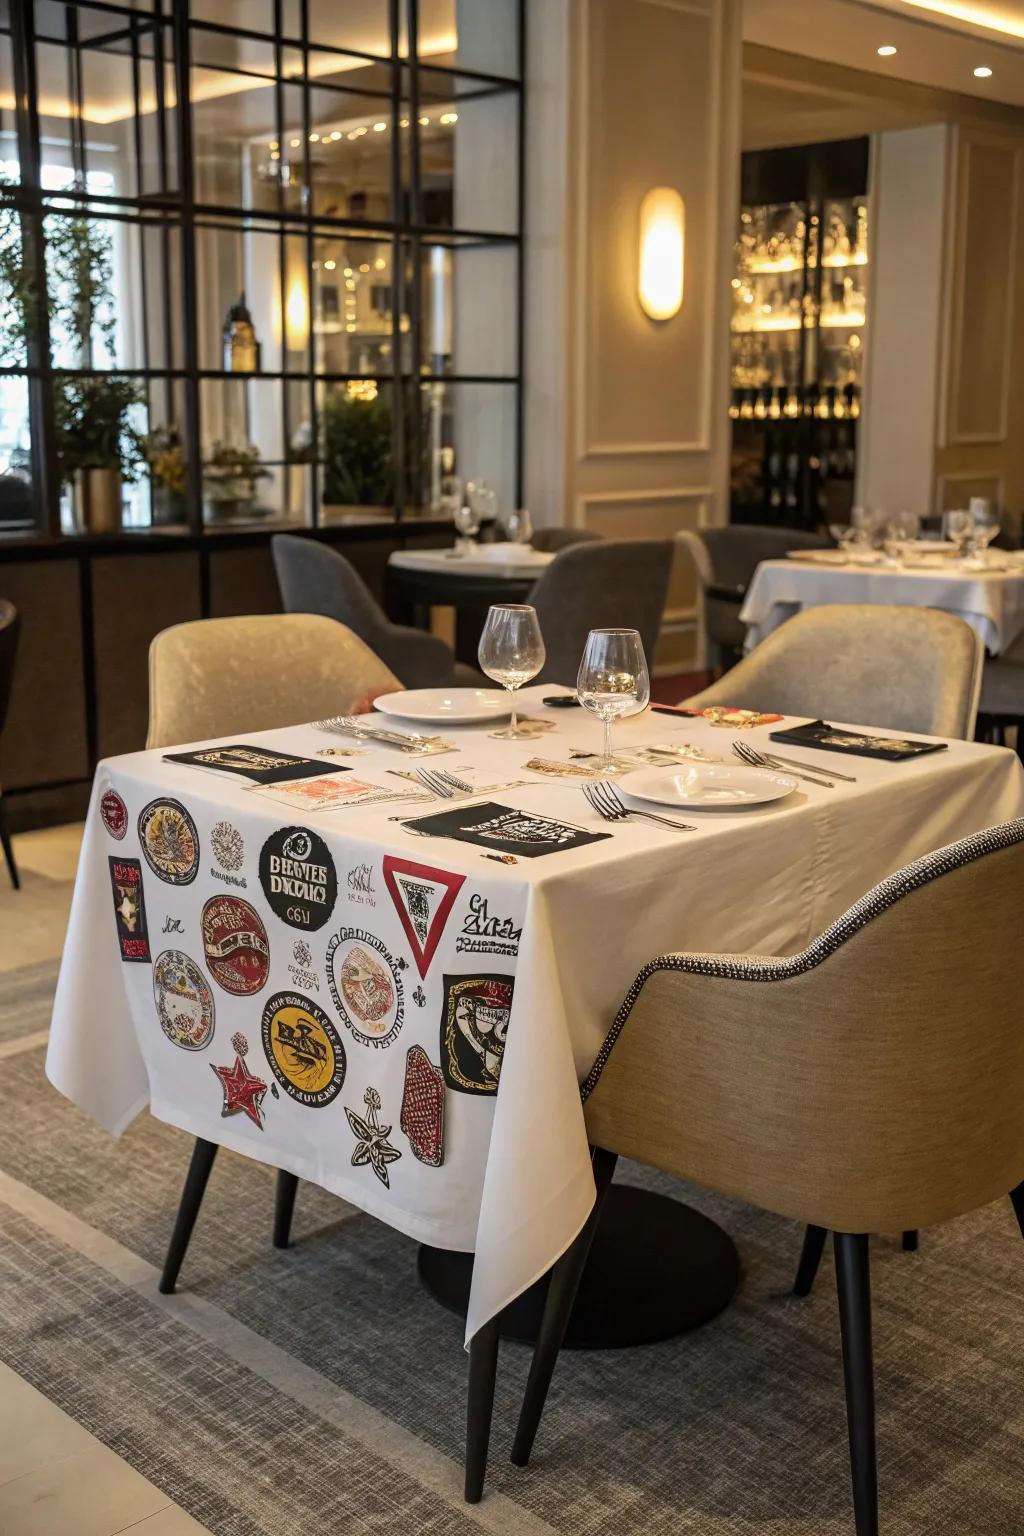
[(735, 1430), (26, 999)]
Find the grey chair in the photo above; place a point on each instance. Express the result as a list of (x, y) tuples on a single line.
[(9, 627), (726, 559), (551, 540), (317, 579), (901, 669), (600, 584), (1002, 698)]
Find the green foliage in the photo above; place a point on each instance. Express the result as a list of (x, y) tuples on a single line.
[(18, 294), (230, 472), (358, 464), (80, 284), (93, 420)]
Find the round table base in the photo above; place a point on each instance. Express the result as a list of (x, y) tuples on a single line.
[(656, 1268)]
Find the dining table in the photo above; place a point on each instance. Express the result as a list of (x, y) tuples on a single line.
[(326, 966), (468, 579), (989, 595)]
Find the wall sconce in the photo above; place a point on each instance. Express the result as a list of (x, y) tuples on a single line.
[(661, 261)]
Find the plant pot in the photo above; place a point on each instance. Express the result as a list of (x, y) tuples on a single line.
[(168, 507), (99, 498), (236, 509)]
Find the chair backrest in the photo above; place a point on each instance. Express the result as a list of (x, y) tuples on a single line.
[(551, 540), (736, 551), (902, 669), (604, 584), (874, 1082), (314, 578), (10, 625), (218, 677)]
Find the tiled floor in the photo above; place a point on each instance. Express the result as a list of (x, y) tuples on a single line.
[(55, 1478)]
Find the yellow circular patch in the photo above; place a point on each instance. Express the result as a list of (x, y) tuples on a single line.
[(303, 1049)]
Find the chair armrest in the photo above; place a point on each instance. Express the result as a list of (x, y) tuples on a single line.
[(418, 658)]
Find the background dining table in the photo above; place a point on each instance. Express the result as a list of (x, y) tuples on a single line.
[(468, 581), (991, 601), (533, 932)]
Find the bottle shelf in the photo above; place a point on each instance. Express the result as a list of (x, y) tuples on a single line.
[(765, 267), (835, 321)]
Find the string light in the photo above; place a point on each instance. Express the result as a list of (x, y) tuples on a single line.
[(379, 127)]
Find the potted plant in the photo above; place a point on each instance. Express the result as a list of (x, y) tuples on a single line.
[(230, 473), (98, 449), (164, 452), (358, 459)]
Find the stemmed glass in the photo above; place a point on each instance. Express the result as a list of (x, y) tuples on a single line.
[(613, 681), (958, 528), (512, 652), (467, 525), (519, 526), (902, 529), (985, 526)]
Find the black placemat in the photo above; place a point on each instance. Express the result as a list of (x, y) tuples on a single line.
[(258, 764), (833, 738)]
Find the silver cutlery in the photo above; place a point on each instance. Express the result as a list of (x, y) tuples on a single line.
[(755, 759), (605, 799), (792, 762), (443, 784), (351, 725)]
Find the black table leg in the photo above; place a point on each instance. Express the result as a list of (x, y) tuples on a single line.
[(8, 847), (483, 1369), (284, 1206), (853, 1280), (203, 1155), (810, 1259), (910, 1242)]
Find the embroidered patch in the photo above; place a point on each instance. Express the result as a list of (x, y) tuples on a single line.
[(372, 1145), (509, 831), (484, 934), (298, 877), (114, 814), (423, 898), (366, 986), (419, 997), (169, 841), (184, 1001), (303, 1049), (129, 908), (473, 1029), (235, 945), (422, 1117), (228, 845), (243, 1093)]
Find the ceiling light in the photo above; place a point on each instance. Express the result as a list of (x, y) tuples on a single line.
[(887, 51), (449, 117), (982, 72), (379, 127), (424, 121), (294, 143), (329, 266), (336, 135), (314, 138)]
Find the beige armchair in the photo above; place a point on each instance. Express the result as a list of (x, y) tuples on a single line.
[(900, 669), (872, 1083), (219, 677)]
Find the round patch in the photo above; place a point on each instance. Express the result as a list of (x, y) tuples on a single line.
[(303, 1049), (169, 841), (114, 814), (235, 945), (228, 845), (298, 877), (184, 1002), (366, 986)]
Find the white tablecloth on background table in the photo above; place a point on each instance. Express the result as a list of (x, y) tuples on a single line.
[(515, 1183), (991, 602), (514, 563)]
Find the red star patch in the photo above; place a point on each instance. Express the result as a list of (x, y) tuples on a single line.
[(243, 1093)]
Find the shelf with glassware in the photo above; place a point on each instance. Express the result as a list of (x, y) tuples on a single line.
[(799, 314)]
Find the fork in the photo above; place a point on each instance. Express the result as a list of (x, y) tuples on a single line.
[(605, 799), (755, 759), (443, 784)]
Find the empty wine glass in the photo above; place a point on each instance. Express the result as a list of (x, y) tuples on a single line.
[(511, 652), (958, 528), (483, 501), (467, 525), (613, 681), (519, 526), (900, 531), (985, 526)]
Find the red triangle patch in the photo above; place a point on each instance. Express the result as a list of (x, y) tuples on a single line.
[(423, 898)]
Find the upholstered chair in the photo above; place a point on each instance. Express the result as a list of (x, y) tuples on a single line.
[(9, 626), (872, 1083), (599, 584), (551, 540), (1002, 697), (216, 677), (900, 669), (314, 578), (725, 560)]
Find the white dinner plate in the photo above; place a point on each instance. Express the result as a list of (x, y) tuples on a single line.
[(446, 706), (708, 786), (819, 556)]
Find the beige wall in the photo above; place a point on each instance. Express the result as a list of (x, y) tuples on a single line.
[(627, 428)]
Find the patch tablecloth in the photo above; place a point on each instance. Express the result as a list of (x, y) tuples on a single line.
[(991, 602), (333, 994)]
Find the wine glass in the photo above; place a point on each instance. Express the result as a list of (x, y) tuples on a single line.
[(613, 681), (985, 526), (467, 526), (512, 652), (958, 528), (901, 529), (519, 526)]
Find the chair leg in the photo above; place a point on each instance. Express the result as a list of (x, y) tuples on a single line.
[(1017, 1201), (910, 1242), (483, 1369), (203, 1155), (565, 1282), (854, 1284), (284, 1206), (810, 1259), (5, 843)]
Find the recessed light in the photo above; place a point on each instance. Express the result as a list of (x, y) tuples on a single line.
[(982, 72), (887, 51)]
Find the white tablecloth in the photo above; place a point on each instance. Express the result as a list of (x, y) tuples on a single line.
[(991, 602), (511, 562), (515, 1181)]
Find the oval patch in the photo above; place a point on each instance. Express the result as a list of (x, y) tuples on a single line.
[(365, 985), (235, 945), (184, 1001), (114, 814), (303, 1049), (169, 841)]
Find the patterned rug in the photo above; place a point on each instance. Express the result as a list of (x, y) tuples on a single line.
[(286, 1394)]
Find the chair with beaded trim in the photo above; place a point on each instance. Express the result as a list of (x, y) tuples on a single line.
[(723, 1070)]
